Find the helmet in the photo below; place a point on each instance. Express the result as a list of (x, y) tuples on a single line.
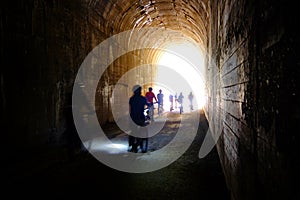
[(136, 88)]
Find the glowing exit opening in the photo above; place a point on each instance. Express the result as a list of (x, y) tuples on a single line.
[(187, 61)]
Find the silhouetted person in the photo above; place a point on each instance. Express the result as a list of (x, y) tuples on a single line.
[(150, 96), (160, 101), (171, 102), (191, 97), (137, 105), (176, 100), (180, 101)]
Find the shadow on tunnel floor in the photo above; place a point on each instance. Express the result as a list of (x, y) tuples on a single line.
[(187, 178)]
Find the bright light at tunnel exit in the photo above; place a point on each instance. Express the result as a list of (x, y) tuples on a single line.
[(187, 60)]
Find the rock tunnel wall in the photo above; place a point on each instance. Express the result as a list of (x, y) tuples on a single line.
[(252, 96), (43, 44), (252, 71)]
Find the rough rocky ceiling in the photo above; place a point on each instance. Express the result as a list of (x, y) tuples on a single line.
[(190, 17)]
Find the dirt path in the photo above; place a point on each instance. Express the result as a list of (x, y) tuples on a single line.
[(187, 178)]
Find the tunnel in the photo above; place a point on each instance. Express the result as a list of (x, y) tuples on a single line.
[(67, 72)]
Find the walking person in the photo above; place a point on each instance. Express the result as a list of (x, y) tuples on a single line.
[(191, 97), (160, 101), (171, 99), (180, 101), (176, 100)]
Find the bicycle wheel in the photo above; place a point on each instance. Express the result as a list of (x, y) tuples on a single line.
[(144, 145), (151, 113), (159, 111)]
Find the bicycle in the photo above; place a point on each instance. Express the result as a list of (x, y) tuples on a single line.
[(141, 143), (180, 108), (160, 109), (151, 111)]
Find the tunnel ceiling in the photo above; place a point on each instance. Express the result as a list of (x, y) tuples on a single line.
[(190, 17)]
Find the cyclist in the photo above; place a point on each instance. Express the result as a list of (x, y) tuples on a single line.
[(137, 104), (150, 96)]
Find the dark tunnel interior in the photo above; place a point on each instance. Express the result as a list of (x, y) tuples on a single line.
[(67, 72)]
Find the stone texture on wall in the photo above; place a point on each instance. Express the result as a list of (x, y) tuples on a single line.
[(252, 50), (44, 43), (252, 75)]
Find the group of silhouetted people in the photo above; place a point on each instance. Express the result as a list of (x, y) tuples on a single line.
[(137, 105), (179, 101)]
